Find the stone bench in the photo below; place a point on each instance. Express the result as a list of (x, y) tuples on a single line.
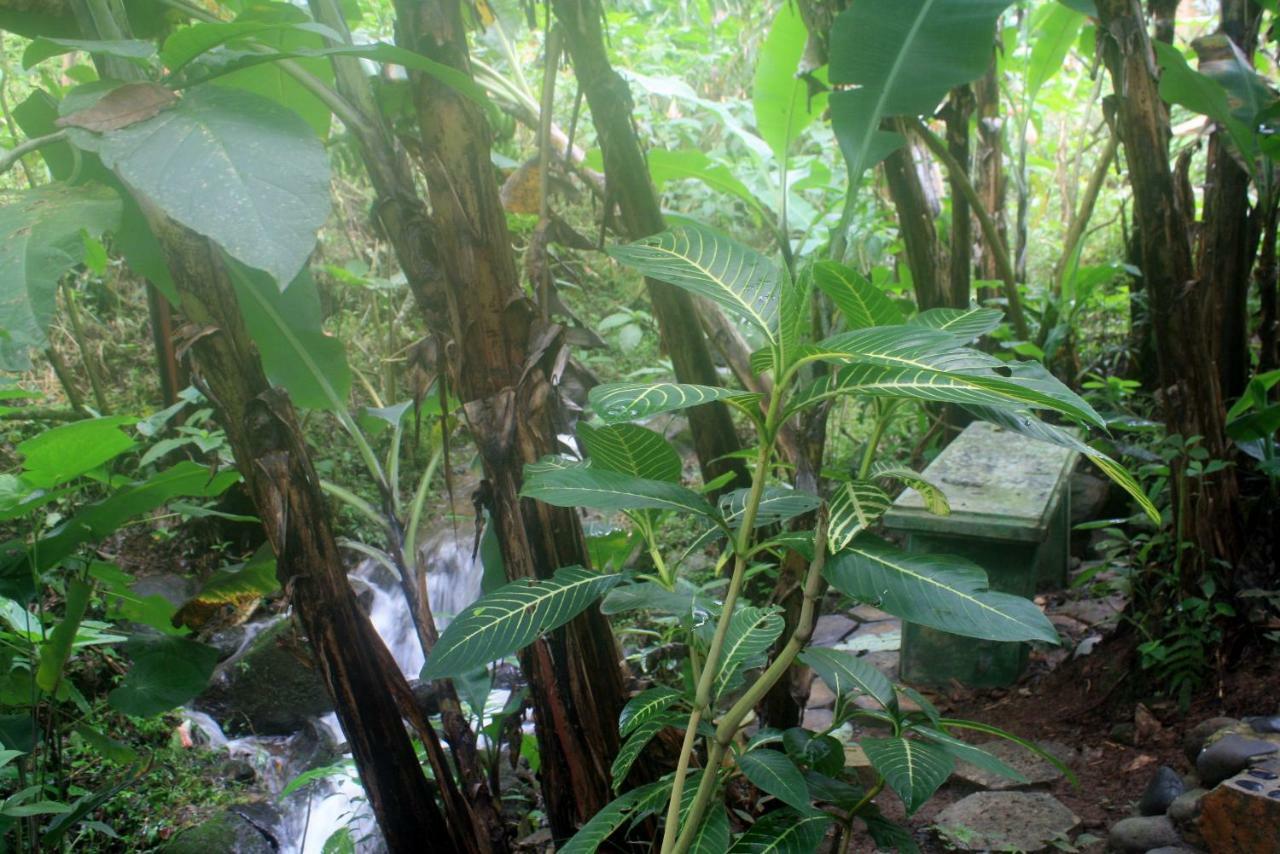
[(1010, 514)]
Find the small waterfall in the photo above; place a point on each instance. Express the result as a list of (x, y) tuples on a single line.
[(313, 813)]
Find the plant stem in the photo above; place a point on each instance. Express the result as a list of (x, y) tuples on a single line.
[(14, 155), (77, 330), (884, 415), (727, 728), (64, 378), (990, 232)]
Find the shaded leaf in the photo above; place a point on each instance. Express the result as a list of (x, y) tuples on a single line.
[(631, 449), (618, 402), (784, 832), (599, 489), (912, 768), (854, 507), (862, 303), (751, 633), (645, 705), (166, 672), (844, 672), (935, 501)]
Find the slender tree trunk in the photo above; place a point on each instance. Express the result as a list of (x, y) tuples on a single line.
[(925, 255), (1265, 276), (1164, 19), (989, 168), (1182, 310), (957, 114), (627, 177), (503, 362)]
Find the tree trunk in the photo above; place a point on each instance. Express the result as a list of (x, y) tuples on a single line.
[(1265, 275), (925, 255), (503, 362), (1181, 307), (627, 177), (989, 168), (957, 113)]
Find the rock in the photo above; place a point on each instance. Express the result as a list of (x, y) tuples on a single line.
[(1124, 733), (1005, 821), (1266, 725), (226, 833), (1243, 814), (820, 696), (1088, 497), (269, 688), (1147, 726), (831, 629), (1193, 742), (865, 613), (239, 771), (175, 589), (1186, 807), (1037, 770), (228, 641), (1228, 756), (1161, 792), (1173, 849), (817, 719), (1143, 833)]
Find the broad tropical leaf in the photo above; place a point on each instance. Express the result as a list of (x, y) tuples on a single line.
[(941, 591), (593, 834), (862, 303), (252, 176), (665, 165), (752, 632), (822, 753), (686, 601), (713, 266), (966, 324), (644, 706), (854, 507), (288, 329), (772, 771), (1027, 424), (783, 105), (39, 241), (912, 768), (903, 56), (935, 501), (65, 452), (966, 752), (901, 346), (636, 741), (610, 491), (714, 835), (777, 504), (618, 402), (1183, 85), (512, 617), (631, 449), (134, 50), (844, 672), (166, 672), (1050, 44), (784, 832)]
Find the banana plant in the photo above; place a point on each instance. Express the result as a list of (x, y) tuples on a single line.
[(880, 357)]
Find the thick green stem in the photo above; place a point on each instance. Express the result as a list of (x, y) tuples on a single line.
[(728, 725), (884, 415), (90, 368)]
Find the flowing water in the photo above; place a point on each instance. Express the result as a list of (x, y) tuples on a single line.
[(310, 815)]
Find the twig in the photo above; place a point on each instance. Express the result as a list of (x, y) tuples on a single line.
[(14, 155)]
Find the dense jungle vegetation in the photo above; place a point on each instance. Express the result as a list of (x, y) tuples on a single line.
[(633, 319)]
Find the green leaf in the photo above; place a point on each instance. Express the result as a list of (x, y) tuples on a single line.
[(773, 772), (822, 753), (966, 324), (941, 591), (862, 303), (844, 672), (903, 56), (631, 449), (56, 650), (166, 672), (252, 176), (1028, 425), (618, 402), (777, 504), (784, 832), (781, 100), (691, 163), (135, 50), (1181, 84), (854, 507), (711, 265), (889, 835), (63, 453), (965, 752), (912, 768), (902, 346), (635, 742), (593, 834), (512, 617), (1050, 44), (751, 633), (287, 327), (184, 45), (714, 835), (599, 489), (644, 706), (107, 747), (39, 242), (935, 501), (685, 601)]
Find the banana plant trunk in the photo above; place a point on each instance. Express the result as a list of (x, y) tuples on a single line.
[(991, 181), (504, 362), (627, 180)]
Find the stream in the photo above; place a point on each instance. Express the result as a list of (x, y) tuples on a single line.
[(302, 821)]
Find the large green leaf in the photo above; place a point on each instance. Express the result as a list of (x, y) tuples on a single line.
[(1181, 84), (67, 451), (966, 324), (636, 741), (631, 449), (1050, 43), (862, 303), (1027, 424), (912, 768), (39, 241), (772, 771), (777, 504), (618, 402), (593, 834), (166, 672), (644, 706), (711, 265), (903, 57), (781, 100), (844, 672), (784, 832), (133, 50), (610, 491), (512, 617), (684, 601), (902, 346), (296, 353), (974, 755), (941, 591), (751, 633), (854, 507), (935, 501), (692, 163), (714, 834), (232, 166)]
